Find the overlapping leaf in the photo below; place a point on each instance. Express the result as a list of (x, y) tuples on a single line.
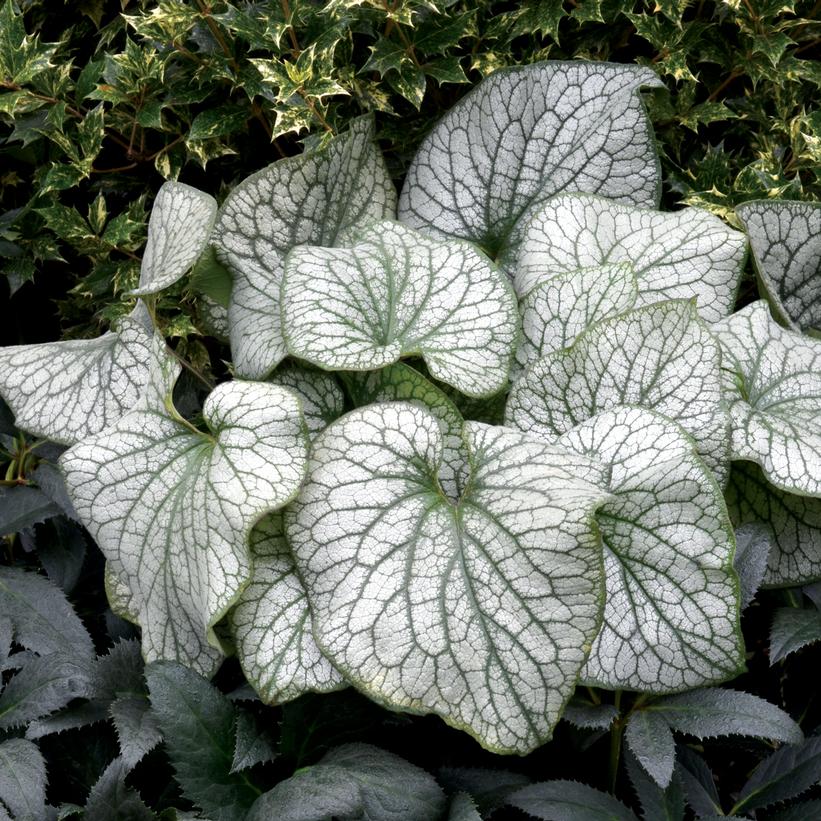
[(272, 623), (69, 390), (555, 312), (525, 134), (793, 523), (479, 611), (397, 293), (401, 383), (320, 394), (310, 198), (672, 605), (171, 507), (660, 357), (773, 387), (180, 225), (677, 255), (786, 242)]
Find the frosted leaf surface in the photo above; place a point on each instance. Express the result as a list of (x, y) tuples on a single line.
[(480, 612), (555, 312), (320, 393), (172, 508), (772, 380), (672, 604), (785, 238), (397, 293), (272, 623), (675, 255), (178, 230), (66, 391), (310, 198), (401, 383), (793, 522), (526, 133), (660, 357)]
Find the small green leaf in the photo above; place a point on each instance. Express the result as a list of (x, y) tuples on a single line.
[(111, 797), (462, 808), (791, 630), (211, 278), (254, 744), (179, 228), (396, 293), (197, 722), (354, 782), (137, 729)]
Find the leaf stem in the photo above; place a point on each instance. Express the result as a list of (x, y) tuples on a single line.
[(616, 734)]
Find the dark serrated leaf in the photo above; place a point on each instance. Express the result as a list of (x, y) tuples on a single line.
[(785, 774), (657, 804), (73, 717), (22, 507), (197, 722), (120, 672), (254, 744), (61, 548), (137, 729), (697, 781), (51, 482), (792, 629), (569, 801), (111, 798), (22, 779), (42, 617), (651, 742), (42, 685)]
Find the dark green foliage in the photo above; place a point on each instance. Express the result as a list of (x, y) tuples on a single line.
[(98, 107)]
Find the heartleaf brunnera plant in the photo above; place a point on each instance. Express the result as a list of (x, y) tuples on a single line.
[(330, 515)]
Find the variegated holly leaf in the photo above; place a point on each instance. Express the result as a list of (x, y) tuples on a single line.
[(793, 522), (555, 312), (526, 133), (773, 387), (394, 293), (671, 614), (401, 383), (66, 391), (171, 508), (679, 255), (178, 230), (785, 238), (320, 393), (660, 357), (310, 198), (482, 611), (272, 624)]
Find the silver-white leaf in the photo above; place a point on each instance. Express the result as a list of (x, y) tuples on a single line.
[(320, 392), (660, 357), (310, 198), (772, 380), (171, 508), (67, 391), (555, 312), (181, 221), (394, 293), (526, 133), (671, 613), (481, 612), (785, 238), (272, 624), (675, 255)]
